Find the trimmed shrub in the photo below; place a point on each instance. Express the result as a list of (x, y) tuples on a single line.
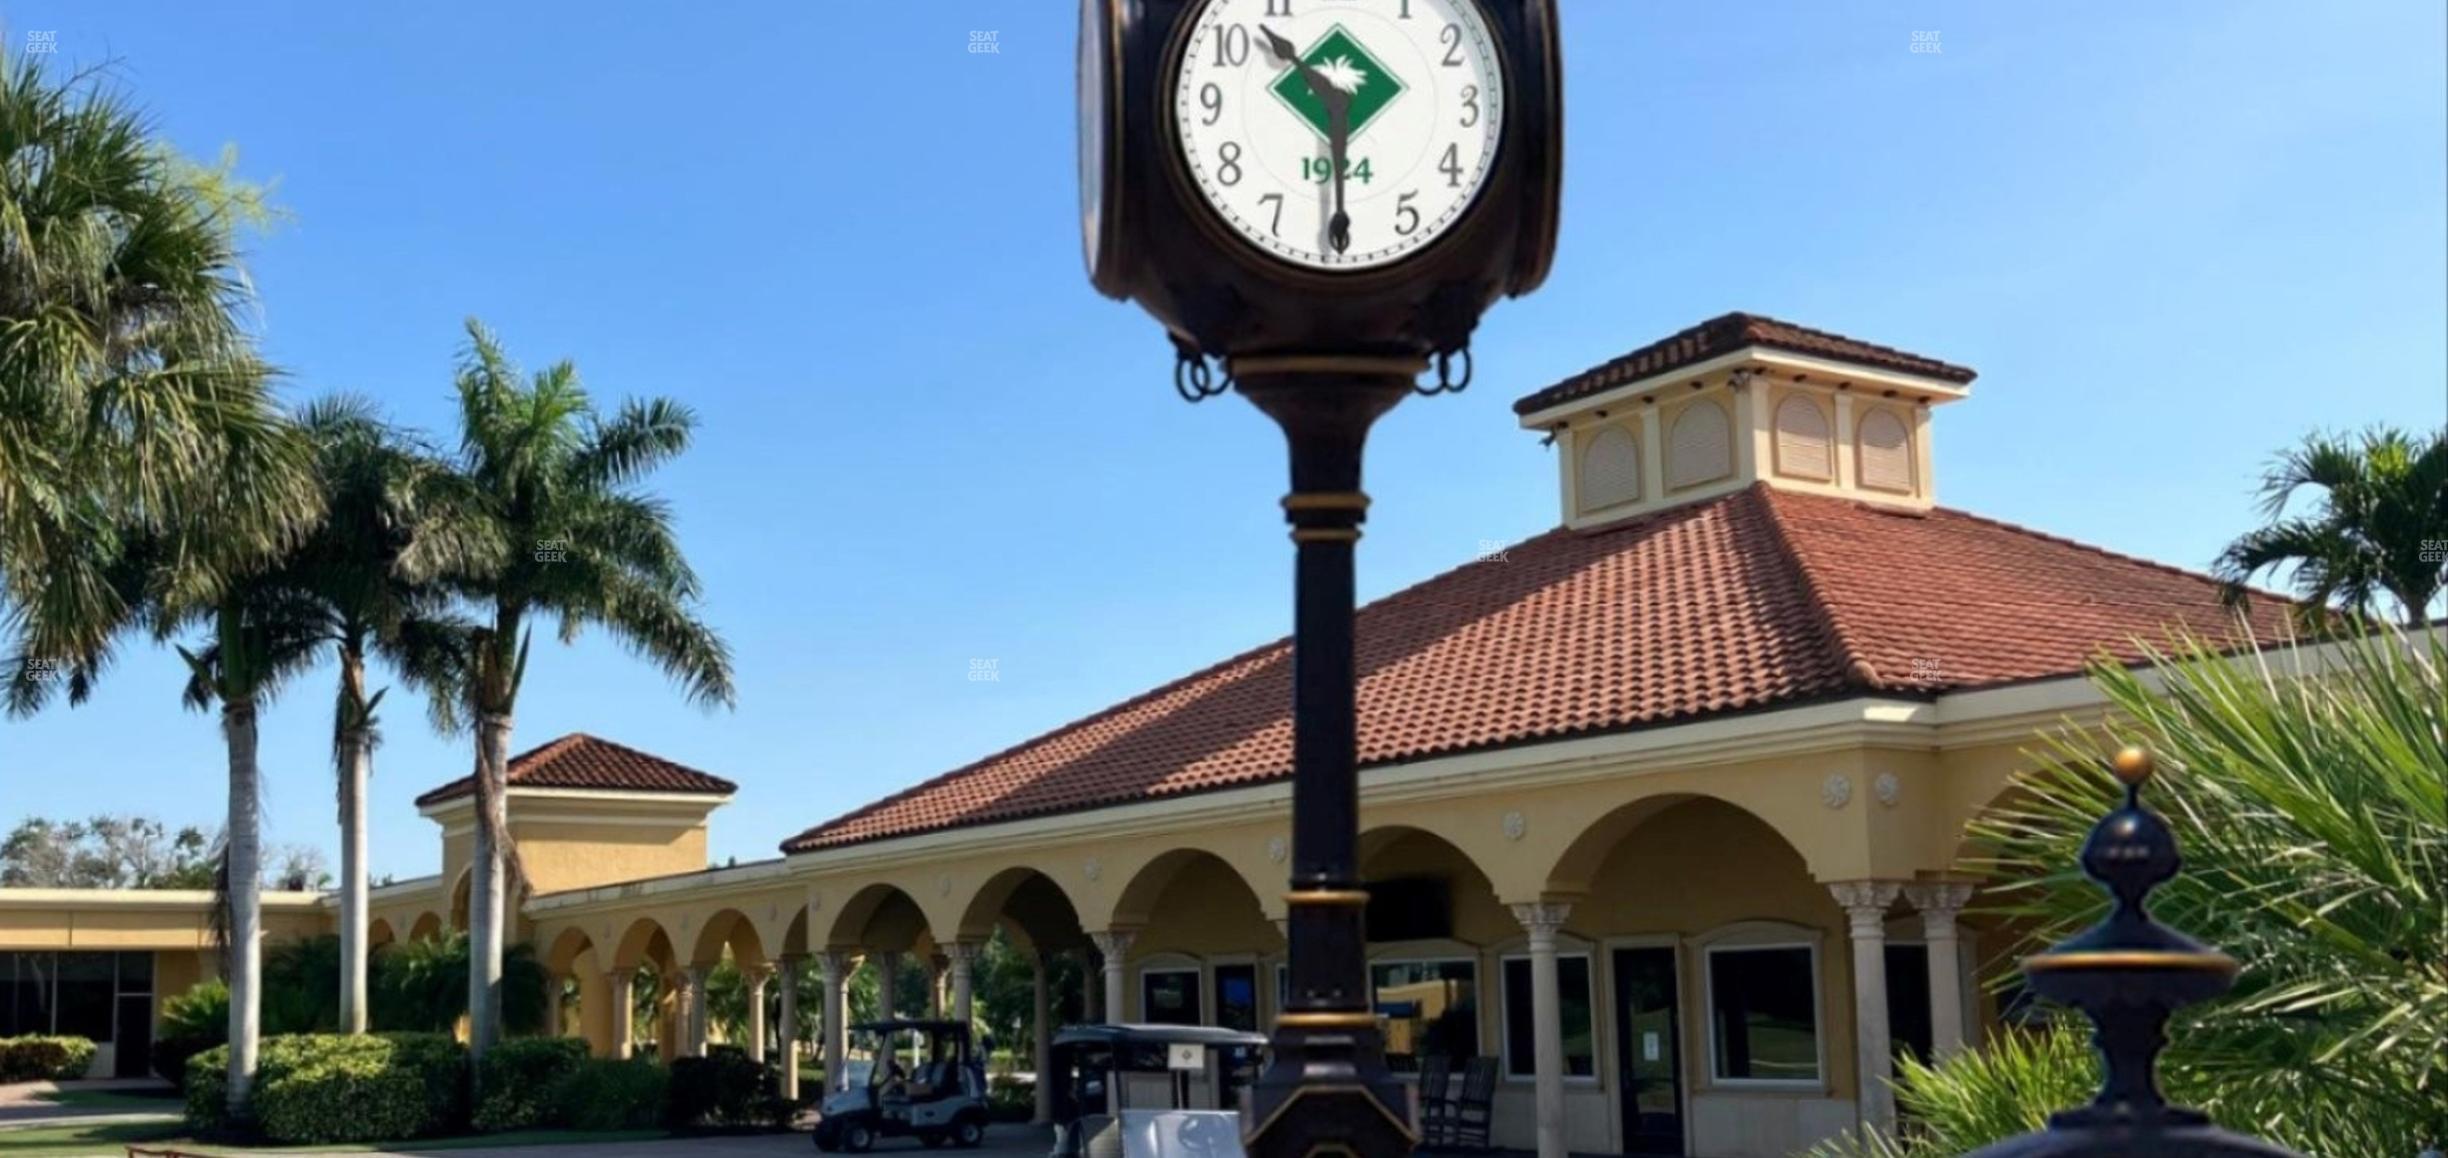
[(207, 1088), (39, 1059), (327, 1088), (725, 1090), (516, 1081), (347, 1098), (611, 1094)]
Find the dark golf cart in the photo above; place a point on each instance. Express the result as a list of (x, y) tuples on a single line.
[(1151, 1091), (923, 1081)]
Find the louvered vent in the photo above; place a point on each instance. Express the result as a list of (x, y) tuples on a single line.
[(1699, 449), (1610, 469), (1886, 452), (1803, 446)]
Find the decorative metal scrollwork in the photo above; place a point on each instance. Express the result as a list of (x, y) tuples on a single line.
[(1446, 383), (1193, 378)]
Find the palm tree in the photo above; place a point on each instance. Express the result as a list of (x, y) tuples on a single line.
[(395, 520), (588, 550), (262, 634), (126, 374), (2381, 526)]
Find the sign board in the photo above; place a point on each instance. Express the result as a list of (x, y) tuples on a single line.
[(1185, 1056)]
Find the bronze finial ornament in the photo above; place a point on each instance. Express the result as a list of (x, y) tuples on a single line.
[(2128, 974)]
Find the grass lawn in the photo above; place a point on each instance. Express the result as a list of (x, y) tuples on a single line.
[(164, 1100), (111, 1140)]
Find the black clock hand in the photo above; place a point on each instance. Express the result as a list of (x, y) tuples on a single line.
[(1338, 139), (1338, 129)]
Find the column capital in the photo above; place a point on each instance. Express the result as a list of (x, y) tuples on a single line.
[(1542, 919), (1938, 898), (1114, 944), (962, 953), (757, 974), (834, 962), (1865, 902)]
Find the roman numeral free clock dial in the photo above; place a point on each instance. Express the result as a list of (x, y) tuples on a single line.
[(1338, 135)]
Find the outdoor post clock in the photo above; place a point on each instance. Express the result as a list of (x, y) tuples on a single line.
[(1324, 195)]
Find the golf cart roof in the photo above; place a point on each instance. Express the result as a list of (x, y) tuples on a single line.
[(1207, 1035), (898, 1024)]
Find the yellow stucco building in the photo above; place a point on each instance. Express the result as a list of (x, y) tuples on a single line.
[(1703, 756)]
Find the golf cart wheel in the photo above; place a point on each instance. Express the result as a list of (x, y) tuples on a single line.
[(828, 1136), (969, 1133), (931, 1139), (857, 1137)]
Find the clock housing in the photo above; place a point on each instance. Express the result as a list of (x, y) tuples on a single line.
[(1222, 294)]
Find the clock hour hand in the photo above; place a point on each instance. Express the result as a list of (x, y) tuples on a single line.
[(1338, 128)]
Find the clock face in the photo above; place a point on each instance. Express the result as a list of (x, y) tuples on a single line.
[(1414, 87)]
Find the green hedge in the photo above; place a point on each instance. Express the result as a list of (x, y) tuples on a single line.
[(727, 1090), (39, 1059), (609, 1094), (327, 1088), (517, 1080)]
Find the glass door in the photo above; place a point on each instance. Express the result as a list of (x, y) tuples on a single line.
[(1649, 1071)]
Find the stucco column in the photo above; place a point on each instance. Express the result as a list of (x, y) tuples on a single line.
[(1542, 921), (1865, 905), (619, 984), (757, 978), (1939, 902), (888, 974), (835, 969), (1114, 945), (792, 970), (935, 984), (1092, 991), (671, 1015), (1041, 1057), (554, 1024), (693, 1006), (964, 956)]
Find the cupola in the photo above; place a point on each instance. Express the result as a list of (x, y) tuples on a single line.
[(1741, 399)]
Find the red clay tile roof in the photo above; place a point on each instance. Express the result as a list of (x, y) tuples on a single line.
[(1759, 598), (1723, 335), (582, 761)]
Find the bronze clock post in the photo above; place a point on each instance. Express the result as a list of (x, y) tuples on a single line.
[(1323, 196)]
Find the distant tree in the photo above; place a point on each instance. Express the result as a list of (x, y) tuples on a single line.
[(106, 852), (2377, 535)]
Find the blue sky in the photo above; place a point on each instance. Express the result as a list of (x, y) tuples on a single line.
[(2172, 238)]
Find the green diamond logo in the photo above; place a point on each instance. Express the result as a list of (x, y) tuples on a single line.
[(1338, 57)]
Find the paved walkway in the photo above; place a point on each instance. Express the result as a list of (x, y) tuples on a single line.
[(26, 1104)]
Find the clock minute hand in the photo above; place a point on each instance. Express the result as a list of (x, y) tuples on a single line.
[(1338, 128)]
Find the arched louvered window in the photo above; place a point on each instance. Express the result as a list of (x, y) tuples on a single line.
[(1610, 469), (1803, 446), (1701, 447), (1886, 452)]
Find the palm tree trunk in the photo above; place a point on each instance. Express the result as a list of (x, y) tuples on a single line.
[(356, 761), (245, 901), (487, 919)]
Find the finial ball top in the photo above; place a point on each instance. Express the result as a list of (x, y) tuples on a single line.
[(2132, 765)]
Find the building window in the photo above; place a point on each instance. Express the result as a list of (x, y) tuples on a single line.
[(1610, 469), (1572, 1000), (1430, 1009), (69, 993), (1764, 1014), (1169, 996), (1803, 446), (1700, 448), (1236, 996), (1886, 452)]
